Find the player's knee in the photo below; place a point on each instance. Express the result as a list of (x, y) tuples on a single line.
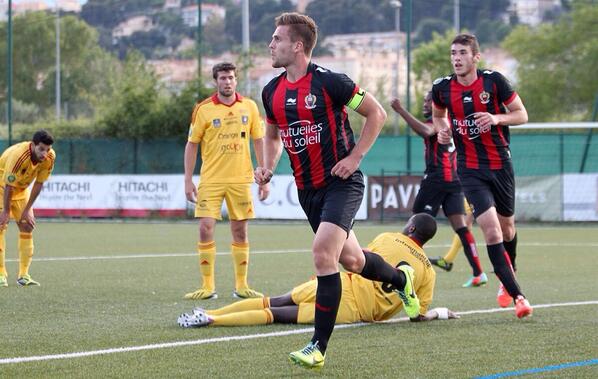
[(239, 234), (508, 234), (26, 227), (492, 235), (323, 261), (352, 263), (206, 232), (350, 266), (508, 230)]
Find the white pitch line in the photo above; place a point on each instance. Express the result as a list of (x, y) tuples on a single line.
[(159, 255), (166, 345), (285, 251)]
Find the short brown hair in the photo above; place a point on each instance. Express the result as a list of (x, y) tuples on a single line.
[(302, 28), (224, 66), (467, 40)]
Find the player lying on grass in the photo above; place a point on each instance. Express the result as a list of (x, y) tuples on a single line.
[(362, 300)]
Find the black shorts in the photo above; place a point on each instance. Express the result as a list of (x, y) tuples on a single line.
[(487, 188), (336, 203), (434, 193)]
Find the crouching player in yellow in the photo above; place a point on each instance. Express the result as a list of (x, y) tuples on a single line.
[(20, 165), (362, 300)]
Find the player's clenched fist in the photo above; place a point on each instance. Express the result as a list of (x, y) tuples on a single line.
[(262, 175), (444, 136)]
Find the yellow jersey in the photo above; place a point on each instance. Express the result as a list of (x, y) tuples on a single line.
[(377, 301), (18, 170), (223, 133)]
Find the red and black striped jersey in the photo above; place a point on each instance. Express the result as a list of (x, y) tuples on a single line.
[(441, 160), (312, 119), (477, 148)]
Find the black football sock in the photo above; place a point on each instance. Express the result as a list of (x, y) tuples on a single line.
[(511, 248), (470, 250), (377, 269), (498, 257), (328, 298)]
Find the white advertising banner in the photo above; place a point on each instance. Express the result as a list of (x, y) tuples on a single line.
[(580, 197), (151, 195), (110, 195)]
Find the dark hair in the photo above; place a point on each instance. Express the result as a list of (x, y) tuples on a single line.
[(302, 27), (43, 137), (421, 226), (223, 66), (468, 40)]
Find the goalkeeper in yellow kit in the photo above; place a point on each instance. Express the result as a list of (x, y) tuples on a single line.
[(221, 126), (362, 300), (20, 165)]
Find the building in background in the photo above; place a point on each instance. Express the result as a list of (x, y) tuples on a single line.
[(23, 6), (130, 26), (532, 12)]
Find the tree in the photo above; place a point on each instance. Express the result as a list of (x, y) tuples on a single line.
[(177, 117), (34, 62), (431, 59), (142, 109), (138, 101), (352, 16), (556, 62), (427, 27)]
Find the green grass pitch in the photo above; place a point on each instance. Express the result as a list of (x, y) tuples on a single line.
[(120, 285)]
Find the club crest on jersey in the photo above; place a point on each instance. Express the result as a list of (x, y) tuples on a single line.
[(216, 122), (484, 97), (11, 178), (310, 101), (244, 120)]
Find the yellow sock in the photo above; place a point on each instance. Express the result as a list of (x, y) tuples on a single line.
[(25, 246), (453, 250), (257, 317), (207, 261), (240, 252), (241, 306), (2, 253)]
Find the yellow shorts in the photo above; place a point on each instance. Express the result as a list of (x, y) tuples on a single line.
[(17, 203), (237, 196), (305, 296)]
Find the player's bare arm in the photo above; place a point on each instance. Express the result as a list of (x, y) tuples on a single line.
[(422, 129), (189, 161), (517, 115), (375, 116), (272, 150), (258, 148), (5, 214), (441, 124)]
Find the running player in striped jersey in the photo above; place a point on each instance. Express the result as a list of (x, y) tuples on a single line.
[(20, 165), (306, 109), (441, 187), (480, 105)]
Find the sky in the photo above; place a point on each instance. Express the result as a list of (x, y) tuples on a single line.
[(52, 2)]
